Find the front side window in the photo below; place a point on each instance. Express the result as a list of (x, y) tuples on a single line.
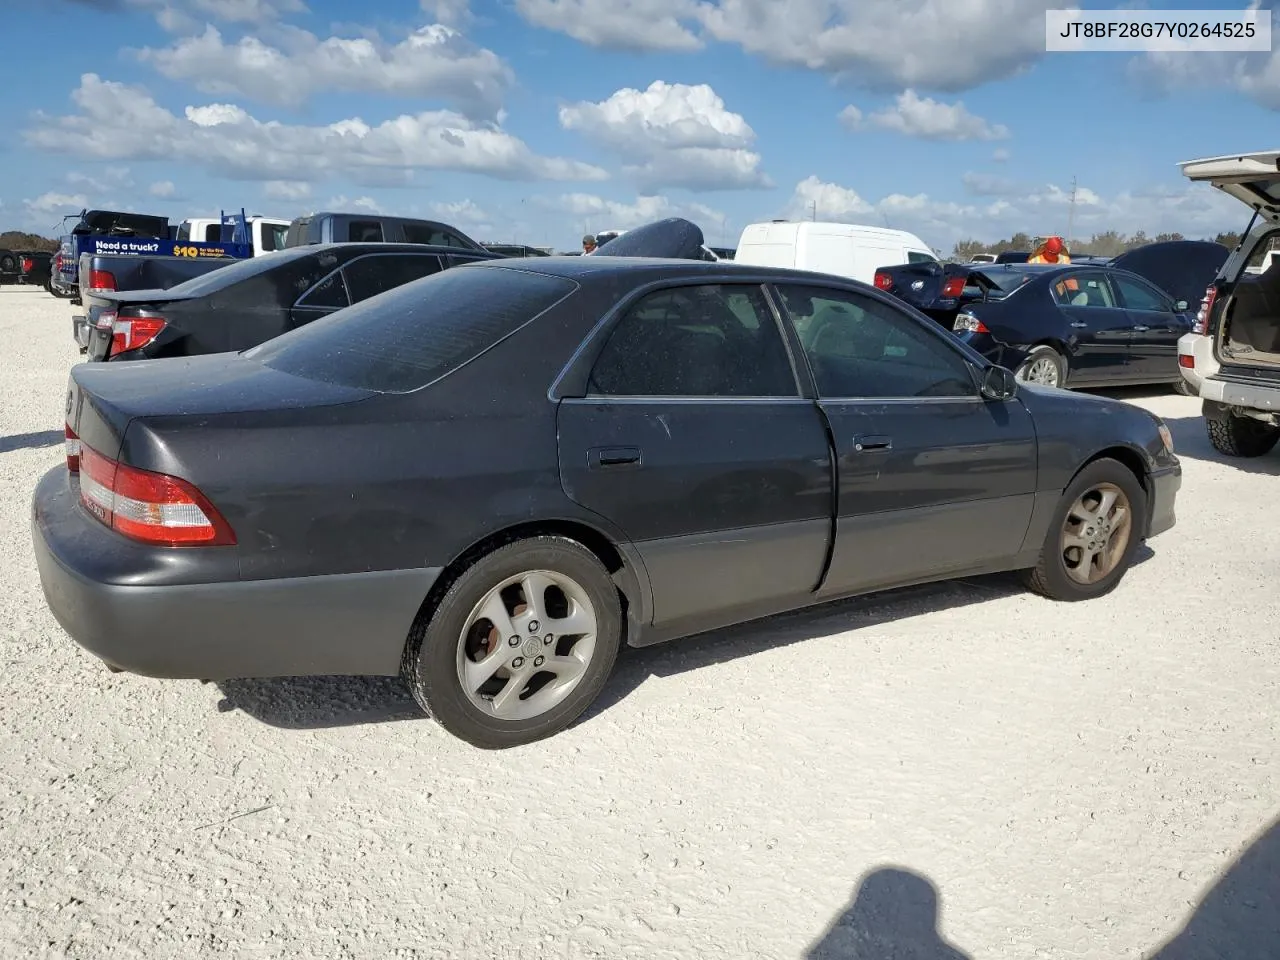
[(711, 340), (859, 347), (433, 234), (329, 294), (1139, 297), (273, 236), (364, 231), (369, 276)]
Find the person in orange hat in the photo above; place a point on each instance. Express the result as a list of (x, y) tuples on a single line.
[(1053, 250)]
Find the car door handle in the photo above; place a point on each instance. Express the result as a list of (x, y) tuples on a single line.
[(871, 442), (1078, 325), (600, 457), (1141, 329)]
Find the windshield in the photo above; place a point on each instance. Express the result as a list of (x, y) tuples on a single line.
[(1006, 279), (233, 273), (411, 336)]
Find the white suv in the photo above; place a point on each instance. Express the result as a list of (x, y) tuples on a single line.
[(1232, 356)]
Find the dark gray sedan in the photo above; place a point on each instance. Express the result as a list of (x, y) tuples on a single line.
[(491, 479)]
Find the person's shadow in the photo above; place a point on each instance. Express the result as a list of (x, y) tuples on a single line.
[(894, 916)]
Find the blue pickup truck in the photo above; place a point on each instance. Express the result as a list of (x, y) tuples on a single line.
[(106, 254)]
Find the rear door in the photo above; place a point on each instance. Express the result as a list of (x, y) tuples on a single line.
[(1095, 326), (693, 438), (1156, 327), (1253, 179), (932, 478), (375, 273)]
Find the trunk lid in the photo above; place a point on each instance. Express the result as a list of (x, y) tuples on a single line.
[(1181, 268), (102, 399), (1252, 178)]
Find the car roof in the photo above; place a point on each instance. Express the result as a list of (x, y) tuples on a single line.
[(380, 246), (598, 267)]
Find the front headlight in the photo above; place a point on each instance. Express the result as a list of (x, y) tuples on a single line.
[(1165, 436)]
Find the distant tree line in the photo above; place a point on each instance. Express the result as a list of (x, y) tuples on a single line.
[(1109, 244), (17, 240)]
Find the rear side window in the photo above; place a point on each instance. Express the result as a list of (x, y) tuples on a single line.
[(329, 293), (914, 257), (369, 276), (433, 234), (417, 333), (273, 236), (364, 231)]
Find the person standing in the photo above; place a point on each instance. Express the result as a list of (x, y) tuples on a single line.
[(588, 245), (1053, 250)]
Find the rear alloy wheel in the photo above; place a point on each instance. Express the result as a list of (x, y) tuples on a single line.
[(1241, 436), (1044, 365), (1094, 534), (520, 645)]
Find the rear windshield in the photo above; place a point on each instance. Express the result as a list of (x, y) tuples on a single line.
[(223, 277), (1006, 279), (410, 336)]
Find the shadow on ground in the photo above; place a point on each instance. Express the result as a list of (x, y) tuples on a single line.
[(31, 441), (894, 914), (306, 703)]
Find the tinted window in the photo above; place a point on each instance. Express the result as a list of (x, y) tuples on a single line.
[(212, 232), (329, 293), (252, 267), (273, 236), (701, 341), (1082, 290), (860, 347), (369, 276), (364, 231), (913, 257), (1138, 296), (432, 233), (414, 334)]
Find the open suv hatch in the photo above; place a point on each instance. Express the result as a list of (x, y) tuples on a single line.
[(1241, 311)]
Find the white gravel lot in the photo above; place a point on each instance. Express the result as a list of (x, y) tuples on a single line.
[(1068, 781)]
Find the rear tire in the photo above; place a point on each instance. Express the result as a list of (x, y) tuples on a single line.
[(1241, 436), (1083, 556), (575, 617), (1044, 365), (1185, 388)]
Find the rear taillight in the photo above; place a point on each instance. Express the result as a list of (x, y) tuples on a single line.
[(968, 323), (1187, 360), (131, 333), (883, 281), (149, 507), (72, 445), (1201, 325), (102, 280), (27, 264), (953, 287)]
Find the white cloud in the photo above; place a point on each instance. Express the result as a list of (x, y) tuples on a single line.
[(452, 13), (163, 189), (345, 204), (634, 25), (225, 140), (1007, 207), (1000, 155), (676, 135), (461, 212), (599, 213), (927, 119), (946, 45), (286, 190), (434, 62), (53, 202)]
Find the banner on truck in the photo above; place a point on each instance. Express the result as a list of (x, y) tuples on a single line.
[(148, 247)]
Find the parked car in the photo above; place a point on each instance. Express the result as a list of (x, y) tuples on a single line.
[(983, 258), (1078, 325), (1179, 267), (492, 478), (374, 228), (36, 267), (249, 301), (516, 250), (266, 234), (110, 224), (1013, 256), (841, 249), (1239, 379), (10, 270)]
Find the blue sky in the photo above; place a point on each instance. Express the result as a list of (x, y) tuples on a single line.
[(534, 120)]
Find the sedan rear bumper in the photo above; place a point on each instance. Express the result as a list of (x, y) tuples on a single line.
[(329, 625)]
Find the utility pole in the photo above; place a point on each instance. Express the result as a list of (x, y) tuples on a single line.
[(814, 216), (1071, 213)]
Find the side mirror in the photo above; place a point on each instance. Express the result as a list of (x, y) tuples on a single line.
[(1182, 306), (999, 383)]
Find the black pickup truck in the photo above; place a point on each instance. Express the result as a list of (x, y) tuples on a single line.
[(115, 274)]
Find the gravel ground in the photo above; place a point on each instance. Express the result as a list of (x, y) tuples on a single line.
[(962, 771)]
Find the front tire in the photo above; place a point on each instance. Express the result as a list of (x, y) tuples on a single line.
[(1093, 535), (1241, 436), (1044, 365), (519, 646)]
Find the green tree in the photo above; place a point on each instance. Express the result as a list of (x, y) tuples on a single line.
[(17, 240), (1228, 240)]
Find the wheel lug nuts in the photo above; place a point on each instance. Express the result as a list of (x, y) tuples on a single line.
[(533, 626), (539, 661), (517, 663), (547, 639), (514, 641)]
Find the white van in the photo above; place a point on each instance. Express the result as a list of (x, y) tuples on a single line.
[(844, 249)]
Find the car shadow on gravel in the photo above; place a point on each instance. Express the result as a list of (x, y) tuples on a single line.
[(310, 703), (31, 441)]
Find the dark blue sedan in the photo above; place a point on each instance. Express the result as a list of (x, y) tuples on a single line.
[(1081, 325)]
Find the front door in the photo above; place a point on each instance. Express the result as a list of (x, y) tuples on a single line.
[(1154, 329), (694, 440), (1096, 328), (932, 478)]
